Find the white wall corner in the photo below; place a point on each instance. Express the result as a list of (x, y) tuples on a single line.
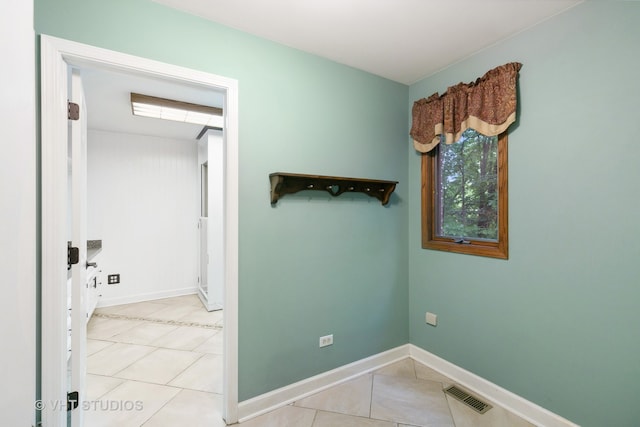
[(510, 401)]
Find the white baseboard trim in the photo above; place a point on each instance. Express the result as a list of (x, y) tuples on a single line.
[(511, 402), (283, 396), (128, 299)]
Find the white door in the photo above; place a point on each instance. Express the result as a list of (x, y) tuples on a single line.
[(77, 215)]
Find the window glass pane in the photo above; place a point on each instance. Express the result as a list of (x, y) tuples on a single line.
[(467, 187)]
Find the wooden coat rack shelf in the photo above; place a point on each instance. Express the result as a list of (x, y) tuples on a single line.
[(289, 183)]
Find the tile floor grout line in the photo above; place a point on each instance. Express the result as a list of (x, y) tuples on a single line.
[(160, 408), (373, 378), (453, 418), (135, 361), (114, 335), (315, 416), (99, 397), (104, 394), (156, 348), (187, 367)]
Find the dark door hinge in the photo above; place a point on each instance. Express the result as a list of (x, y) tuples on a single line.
[(72, 400), (73, 111), (73, 256)]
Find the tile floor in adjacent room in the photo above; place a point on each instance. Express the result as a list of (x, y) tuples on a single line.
[(168, 353)]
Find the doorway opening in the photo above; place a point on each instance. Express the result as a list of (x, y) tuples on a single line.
[(150, 333), (58, 58)]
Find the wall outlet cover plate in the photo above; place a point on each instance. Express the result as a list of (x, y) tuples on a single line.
[(431, 319), (326, 340)]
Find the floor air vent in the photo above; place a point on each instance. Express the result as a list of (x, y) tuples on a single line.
[(469, 400)]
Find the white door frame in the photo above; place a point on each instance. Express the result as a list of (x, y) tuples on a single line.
[(78, 211), (56, 57)]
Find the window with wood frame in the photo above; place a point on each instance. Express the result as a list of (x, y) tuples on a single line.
[(465, 196), (462, 135)]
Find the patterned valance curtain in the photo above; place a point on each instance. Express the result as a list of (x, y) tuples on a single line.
[(487, 105)]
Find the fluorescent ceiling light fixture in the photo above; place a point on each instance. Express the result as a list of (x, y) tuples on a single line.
[(168, 109)]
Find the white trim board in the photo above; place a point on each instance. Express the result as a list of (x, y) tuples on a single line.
[(511, 402), (56, 56)]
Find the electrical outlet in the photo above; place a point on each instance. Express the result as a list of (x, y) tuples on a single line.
[(113, 279), (431, 319), (326, 340)]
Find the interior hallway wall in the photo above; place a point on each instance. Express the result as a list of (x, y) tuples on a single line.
[(311, 265), (143, 202)]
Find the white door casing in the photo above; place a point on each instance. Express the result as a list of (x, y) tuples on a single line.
[(57, 55)]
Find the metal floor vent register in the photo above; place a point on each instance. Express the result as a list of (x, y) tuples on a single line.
[(469, 400)]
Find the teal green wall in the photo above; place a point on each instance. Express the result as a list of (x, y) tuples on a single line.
[(558, 323), (312, 265)]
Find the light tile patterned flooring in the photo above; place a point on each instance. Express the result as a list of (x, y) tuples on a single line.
[(166, 354), (159, 353), (404, 394)]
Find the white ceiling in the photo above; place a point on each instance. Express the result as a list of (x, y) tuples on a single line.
[(108, 93), (402, 40)]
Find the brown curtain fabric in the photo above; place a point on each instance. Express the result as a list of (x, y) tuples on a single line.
[(487, 105)]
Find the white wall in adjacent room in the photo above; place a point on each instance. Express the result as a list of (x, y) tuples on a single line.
[(144, 203), (18, 214)]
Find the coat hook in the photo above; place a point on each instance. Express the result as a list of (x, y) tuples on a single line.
[(289, 183)]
